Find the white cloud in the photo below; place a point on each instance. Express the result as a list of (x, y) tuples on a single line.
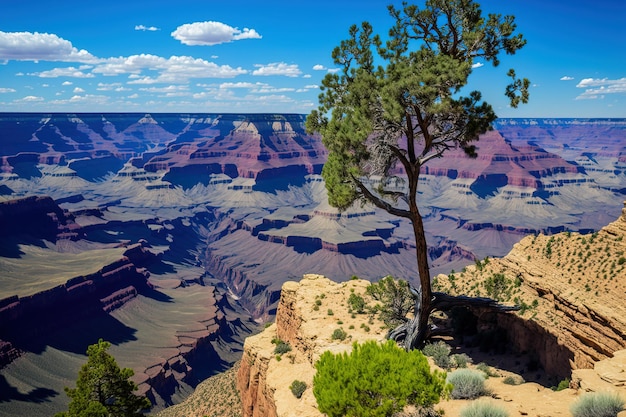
[(211, 33), (27, 46), (319, 67), (146, 28), (66, 72), (30, 99), (6, 90), (67, 83), (242, 85), (597, 88), (477, 65), (277, 68), (566, 78), (175, 69), (78, 90)]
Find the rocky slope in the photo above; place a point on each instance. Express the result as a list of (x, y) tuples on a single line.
[(310, 310), (571, 287)]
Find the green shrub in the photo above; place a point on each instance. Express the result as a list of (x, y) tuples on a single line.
[(483, 409), (357, 303), (467, 384), (597, 404), (339, 334), (395, 298), (564, 384), (297, 388), (440, 352), (353, 383), (513, 380), (488, 370), (461, 360), (282, 347)]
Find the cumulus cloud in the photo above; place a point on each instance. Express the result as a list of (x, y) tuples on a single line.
[(27, 46), (29, 99), (242, 85), (277, 68), (6, 90), (478, 65), (66, 72), (566, 78), (319, 67), (146, 28), (211, 33), (171, 70), (597, 88), (78, 90)]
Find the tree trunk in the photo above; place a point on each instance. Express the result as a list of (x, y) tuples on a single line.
[(413, 333), (418, 327)]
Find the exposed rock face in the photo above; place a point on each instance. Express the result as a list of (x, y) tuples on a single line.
[(263, 381), (26, 319), (264, 377), (572, 287)]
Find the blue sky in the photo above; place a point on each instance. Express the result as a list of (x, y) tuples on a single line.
[(248, 56)]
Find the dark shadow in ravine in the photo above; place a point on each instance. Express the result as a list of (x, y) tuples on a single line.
[(10, 393)]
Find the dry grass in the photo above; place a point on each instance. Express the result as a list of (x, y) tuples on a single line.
[(215, 397)]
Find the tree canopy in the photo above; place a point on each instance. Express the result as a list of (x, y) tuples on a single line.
[(103, 389), (397, 104)]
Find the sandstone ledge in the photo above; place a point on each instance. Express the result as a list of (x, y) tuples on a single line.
[(263, 380)]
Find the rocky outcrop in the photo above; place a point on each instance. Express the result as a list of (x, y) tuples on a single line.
[(24, 320), (310, 310), (264, 377), (571, 287), (38, 216)]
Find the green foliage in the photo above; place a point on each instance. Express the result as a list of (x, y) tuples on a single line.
[(339, 334), (352, 384), (488, 370), (513, 380), (467, 384), (356, 303), (597, 404), (412, 92), (440, 352), (461, 360), (297, 388), (498, 287), (103, 389), (564, 384), (395, 298), (281, 347), (483, 409)]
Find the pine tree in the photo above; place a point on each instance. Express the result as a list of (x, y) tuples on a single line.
[(103, 389), (396, 105)]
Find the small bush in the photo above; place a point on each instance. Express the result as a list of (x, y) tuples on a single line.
[(282, 347), (461, 360), (513, 380), (467, 384), (564, 384), (488, 370), (383, 380), (440, 352), (356, 303), (597, 404), (483, 409), (297, 388), (339, 334)]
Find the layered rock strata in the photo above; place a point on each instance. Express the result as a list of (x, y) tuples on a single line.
[(571, 288)]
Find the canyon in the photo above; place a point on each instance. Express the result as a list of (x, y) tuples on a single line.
[(171, 235)]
